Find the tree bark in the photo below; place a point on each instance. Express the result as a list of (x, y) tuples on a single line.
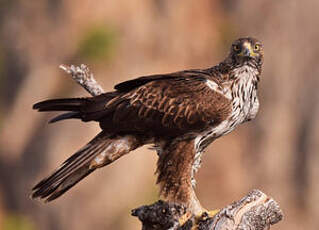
[(255, 211), (83, 76)]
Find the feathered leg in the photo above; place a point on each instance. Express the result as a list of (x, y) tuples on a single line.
[(102, 150), (174, 171)]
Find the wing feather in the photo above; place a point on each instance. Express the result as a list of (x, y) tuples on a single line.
[(176, 103)]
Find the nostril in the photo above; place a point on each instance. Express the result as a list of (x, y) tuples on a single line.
[(246, 52)]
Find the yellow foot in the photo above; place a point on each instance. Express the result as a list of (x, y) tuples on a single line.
[(207, 214), (203, 216), (212, 213), (182, 220)]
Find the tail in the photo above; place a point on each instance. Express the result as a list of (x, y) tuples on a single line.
[(74, 105), (86, 109), (100, 151)]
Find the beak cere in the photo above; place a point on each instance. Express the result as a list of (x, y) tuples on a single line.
[(247, 50)]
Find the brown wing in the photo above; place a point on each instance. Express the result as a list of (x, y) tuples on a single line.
[(170, 105), (134, 83)]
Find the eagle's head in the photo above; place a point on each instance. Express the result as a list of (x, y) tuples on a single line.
[(247, 51)]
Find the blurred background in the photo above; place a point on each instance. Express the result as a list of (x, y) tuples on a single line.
[(122, 39)]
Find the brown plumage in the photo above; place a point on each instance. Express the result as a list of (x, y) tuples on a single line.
[(180, 113)]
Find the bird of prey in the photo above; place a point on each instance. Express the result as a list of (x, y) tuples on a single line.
[(180, 113)]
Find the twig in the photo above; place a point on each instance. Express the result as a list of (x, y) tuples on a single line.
[(83, 76), (256, 211)]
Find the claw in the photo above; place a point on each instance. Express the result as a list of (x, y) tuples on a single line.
[(184, 218), (212, 213), (206, 214)]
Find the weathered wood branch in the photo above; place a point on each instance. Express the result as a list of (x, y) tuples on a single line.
[(255, 211), (83, 76)]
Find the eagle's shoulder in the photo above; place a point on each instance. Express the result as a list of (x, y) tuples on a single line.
[(192, 74)]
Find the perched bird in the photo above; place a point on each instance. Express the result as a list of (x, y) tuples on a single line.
[(179, 113)]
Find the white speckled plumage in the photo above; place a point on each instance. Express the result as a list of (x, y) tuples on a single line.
[(244, 108)]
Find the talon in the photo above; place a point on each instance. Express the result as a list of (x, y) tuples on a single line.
[(184, 218), (212, 213), (206, 214)]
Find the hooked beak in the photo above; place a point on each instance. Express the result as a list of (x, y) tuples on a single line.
[(247, 50)]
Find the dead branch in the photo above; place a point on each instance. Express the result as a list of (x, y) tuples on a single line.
[(255, 211), (83, 76)]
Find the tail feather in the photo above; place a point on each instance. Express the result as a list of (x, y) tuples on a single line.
[(78, 160), (100, 151), (79, 174), (71, 171), (65, 116), (74, 105), (64, 104), (86, 109)]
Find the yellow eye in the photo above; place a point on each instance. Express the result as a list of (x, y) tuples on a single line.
[(257, 47), (236, 47)]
